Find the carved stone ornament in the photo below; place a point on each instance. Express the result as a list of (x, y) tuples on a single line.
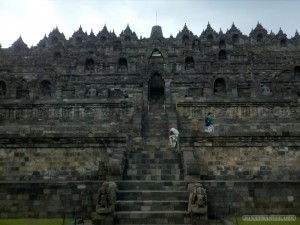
[(106, 199), (197, 199)]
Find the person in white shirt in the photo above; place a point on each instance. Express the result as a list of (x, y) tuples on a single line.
[(173, 137)]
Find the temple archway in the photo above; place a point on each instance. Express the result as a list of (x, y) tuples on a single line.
[(122, 64), (297, 71), (222, 43), (2, 89), (45, 88), (259, 38), (222, 55), (89, 64), (220, 87), (156, 89), (189, 63), (210, 37), (283, 42), (235, 38)]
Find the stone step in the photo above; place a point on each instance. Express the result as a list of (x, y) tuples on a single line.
[(157, 172), (151, 140), (139, 160), (155, 155), (152, 148), (151, 128), (154, 166), (155, 116), (152, 217), (152, 195), (155, 135), (156, 121), (156, 127), (153, 185), (171, 205), (147, 224), (155, 130), (163, 136), (155, 113), (154, 177)]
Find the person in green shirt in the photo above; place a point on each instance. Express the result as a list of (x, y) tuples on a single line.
[(209, 123)]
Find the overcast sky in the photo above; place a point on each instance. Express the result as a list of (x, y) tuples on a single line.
[(32, 19)]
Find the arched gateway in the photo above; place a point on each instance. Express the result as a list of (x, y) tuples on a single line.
[(156, 89)]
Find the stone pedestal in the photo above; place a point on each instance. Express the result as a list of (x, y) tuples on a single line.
[(197, 204), (103, 220), (199, 219), (105, 204)]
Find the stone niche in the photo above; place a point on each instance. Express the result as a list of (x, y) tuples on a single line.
[(45, 89), (266, 89), (220, 87), (244, 89), (2, 89), (91, 92)]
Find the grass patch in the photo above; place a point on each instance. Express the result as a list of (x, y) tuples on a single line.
[(34, 221), (239, 221)]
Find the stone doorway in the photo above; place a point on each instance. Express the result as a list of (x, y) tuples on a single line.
[(156, 90)]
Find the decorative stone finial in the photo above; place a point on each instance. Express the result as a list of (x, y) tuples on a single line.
[(156, 32)]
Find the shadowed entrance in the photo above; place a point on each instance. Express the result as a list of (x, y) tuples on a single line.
[(156, 93)]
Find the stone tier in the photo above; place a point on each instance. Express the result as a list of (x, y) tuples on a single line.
[(152, 217)]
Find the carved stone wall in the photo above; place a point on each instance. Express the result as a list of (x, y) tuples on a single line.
[(59, 158), (52, 200), (66, 112), (240, 110), (273, 158)]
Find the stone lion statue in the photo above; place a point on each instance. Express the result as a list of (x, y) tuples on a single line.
[(106, 198), (197, 199)]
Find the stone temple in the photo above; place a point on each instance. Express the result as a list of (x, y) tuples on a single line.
[(85, 120)]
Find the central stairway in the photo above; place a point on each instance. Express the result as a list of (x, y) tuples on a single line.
[(153, 190)]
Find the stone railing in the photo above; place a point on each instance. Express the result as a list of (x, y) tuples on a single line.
[(66, 111), (240, 110)]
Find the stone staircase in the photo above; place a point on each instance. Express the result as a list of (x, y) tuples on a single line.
[(155, 124), (153, 190)]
